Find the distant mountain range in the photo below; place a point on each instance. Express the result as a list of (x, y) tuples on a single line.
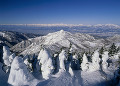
[(101, 30)]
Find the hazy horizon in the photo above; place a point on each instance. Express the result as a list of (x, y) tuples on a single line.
[(62, 24)]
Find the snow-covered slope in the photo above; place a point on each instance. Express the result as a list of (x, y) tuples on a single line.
[(55, 41), (114, 39), (10, 38)]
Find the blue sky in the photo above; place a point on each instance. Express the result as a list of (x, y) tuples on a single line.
[(60, 11)]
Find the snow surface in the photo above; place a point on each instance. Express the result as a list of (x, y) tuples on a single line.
[(80, 78)]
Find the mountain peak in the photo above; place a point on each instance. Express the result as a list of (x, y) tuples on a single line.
[(61, 31)]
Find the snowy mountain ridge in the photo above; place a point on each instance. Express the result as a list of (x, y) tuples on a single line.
[(10, 38), (55, 41)]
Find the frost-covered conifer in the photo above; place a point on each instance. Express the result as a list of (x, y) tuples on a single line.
[(75, 62), (28, 63), (6, 55), (62, 59), (84, 64), (105, 57), (12, 56), (45, 61), (95, 65), (19, 75)]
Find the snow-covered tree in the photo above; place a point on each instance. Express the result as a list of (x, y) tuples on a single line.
[(95, 65), (56, 62), (7, 59), (70, 52), (62, 59), (112, 49), (28, 63), (12, 56), (105, 57), (95, 58), (6, 55), (84, 64), (19, 75), (75, 62), (101, 51), (45, 61)]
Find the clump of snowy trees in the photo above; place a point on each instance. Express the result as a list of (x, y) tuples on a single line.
[(91, 66), (64, 60), (18, 70)]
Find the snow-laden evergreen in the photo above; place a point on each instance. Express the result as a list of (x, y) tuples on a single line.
[(75, 64), (62, 59), (45, 61), (95, 65), (84, 64), (6, 55), (26, 59), (105, 57), (12, 56), (75, 56), (29, 65), (19, 75)]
